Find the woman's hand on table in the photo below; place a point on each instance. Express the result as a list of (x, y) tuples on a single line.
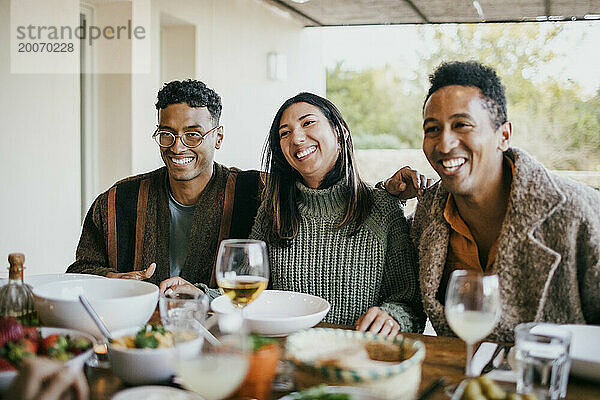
[(137, 275), (375, 320), (49, 380), (177, 285)]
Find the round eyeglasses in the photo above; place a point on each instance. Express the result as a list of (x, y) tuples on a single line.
[(189, 139)]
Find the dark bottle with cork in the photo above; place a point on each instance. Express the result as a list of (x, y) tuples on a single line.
[(16, 298)]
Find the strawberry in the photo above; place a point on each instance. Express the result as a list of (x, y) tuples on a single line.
[(48, 343), (6, 366), (31, 332), (29, 345), (10, 331), (54, 345)]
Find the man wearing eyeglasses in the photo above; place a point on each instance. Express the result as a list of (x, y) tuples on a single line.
[(167, 224)]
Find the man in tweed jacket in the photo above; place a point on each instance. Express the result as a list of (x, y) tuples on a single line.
[(166, 225), (497, 210)]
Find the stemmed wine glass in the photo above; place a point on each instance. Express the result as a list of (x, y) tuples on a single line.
[(242, 270), (472, 308)]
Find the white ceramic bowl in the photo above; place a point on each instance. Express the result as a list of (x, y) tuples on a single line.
[(277, 312), (7, 377), (40, 279), (155, 392), (120, 303), (396, 380), (585, 351), (144, 366)]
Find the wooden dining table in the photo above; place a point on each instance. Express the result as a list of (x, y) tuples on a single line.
[(444, 357)]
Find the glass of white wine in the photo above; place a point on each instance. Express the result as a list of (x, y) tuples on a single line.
[(472, 308), (242, 270)]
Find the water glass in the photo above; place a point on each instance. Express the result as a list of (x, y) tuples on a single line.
[(183, 311), (543, 362)]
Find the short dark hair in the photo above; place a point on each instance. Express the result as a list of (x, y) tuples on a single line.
[(472, 73), (280, 192), (192, 92)]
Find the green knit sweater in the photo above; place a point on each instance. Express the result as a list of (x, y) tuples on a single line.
[(376, 267)]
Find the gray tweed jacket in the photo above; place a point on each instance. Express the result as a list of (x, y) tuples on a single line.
[(548, 257)]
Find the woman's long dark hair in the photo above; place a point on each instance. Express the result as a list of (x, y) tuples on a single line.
[(280, 191)]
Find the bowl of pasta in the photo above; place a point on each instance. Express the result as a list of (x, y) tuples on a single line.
[(150, 354)]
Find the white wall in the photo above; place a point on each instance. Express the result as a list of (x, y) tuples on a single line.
[(40, 164), (145, 155), (40, 156), (233, 40), (178, 52)]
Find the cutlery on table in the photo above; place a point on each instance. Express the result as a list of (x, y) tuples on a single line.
[(490, 365), (431, 389)]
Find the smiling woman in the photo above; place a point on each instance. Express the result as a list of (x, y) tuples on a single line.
[(329, 233)]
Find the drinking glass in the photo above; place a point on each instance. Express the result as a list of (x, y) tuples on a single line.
[(242, 270), (180, 312), (217, 369), (472, 308), (543, 362)]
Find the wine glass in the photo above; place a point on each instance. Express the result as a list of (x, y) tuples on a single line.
[(216, 370), (242, 270), (472, 308)]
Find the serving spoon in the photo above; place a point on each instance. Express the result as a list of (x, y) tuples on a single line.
[(90, 310)]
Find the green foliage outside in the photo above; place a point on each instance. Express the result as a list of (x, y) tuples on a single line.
[(553, 120)]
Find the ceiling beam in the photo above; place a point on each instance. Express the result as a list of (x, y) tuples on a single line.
[(294, 10), (416, 9)]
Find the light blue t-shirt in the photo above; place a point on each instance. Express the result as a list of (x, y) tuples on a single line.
[(180, 224)]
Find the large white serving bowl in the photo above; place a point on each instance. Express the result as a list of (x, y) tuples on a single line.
[(585, 351), (278, 312), (41, 279), (6, 377), (144, 366), (120, 303)]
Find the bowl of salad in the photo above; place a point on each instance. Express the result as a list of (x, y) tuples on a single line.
[(149, 354), (18, 342)]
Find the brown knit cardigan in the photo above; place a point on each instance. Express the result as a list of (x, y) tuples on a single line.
[(127, 227), (548, 257)]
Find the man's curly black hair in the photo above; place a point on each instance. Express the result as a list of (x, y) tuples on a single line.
[(192, 92), (472, 73)]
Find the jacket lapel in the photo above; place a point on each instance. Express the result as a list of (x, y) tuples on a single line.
[(523, 261)]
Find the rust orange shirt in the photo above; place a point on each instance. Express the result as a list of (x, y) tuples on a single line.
[(463, 252)]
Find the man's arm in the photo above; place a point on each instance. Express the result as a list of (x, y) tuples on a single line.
[(91, 256), (588, 264)]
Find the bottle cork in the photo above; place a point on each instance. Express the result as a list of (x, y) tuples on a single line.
[(16, 259), (15, 271)]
